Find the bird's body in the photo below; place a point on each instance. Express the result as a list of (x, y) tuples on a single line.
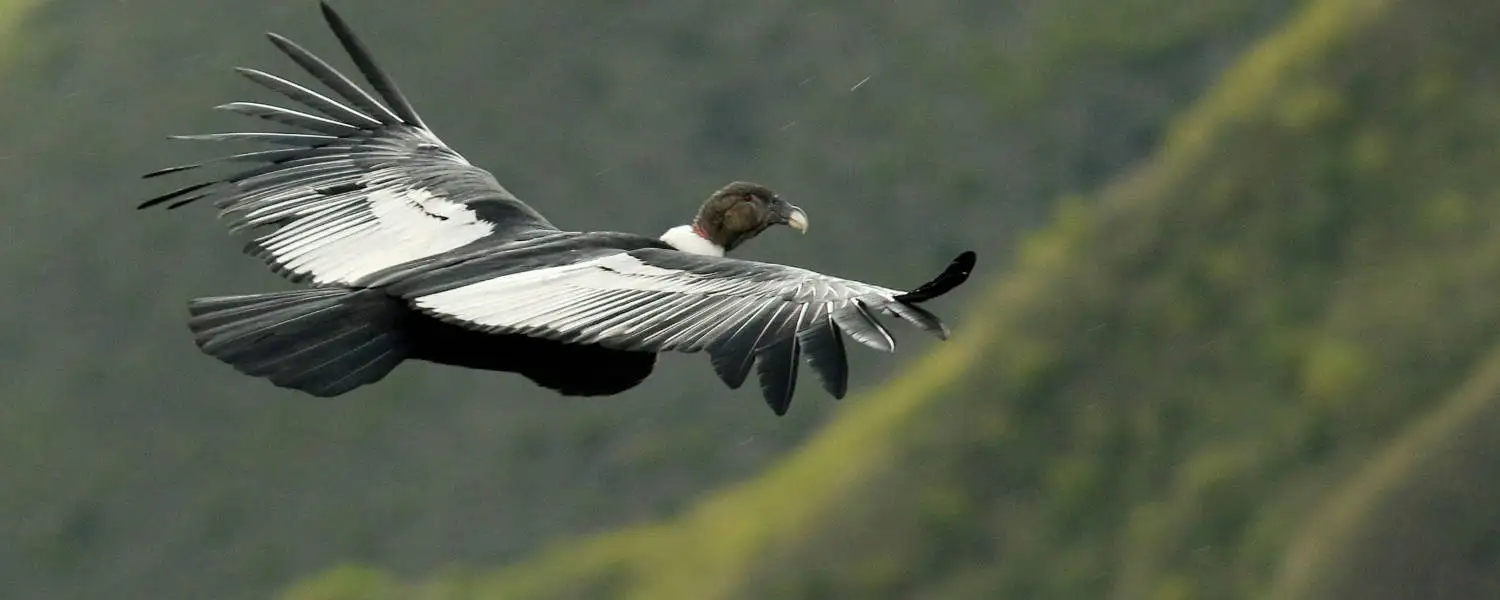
[(412, 253)]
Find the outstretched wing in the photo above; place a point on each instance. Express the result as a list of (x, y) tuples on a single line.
[(363, 186), (742, 313)]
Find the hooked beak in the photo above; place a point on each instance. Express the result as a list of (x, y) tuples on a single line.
[(794, 217)]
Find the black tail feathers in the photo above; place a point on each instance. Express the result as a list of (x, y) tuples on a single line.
[(323, 341)]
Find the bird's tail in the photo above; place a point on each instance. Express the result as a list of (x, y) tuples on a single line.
[(323, 341)]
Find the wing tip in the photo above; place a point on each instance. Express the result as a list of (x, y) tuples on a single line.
[(282, 42), (169, 171), (332, 17), (384, 85), (955, 274), (780, 400), (172, 195)]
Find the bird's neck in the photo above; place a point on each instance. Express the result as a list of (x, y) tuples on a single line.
[(690, 238)]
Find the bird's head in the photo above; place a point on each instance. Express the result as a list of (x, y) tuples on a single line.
[(740, 211)]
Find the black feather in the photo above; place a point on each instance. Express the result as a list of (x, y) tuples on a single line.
[(823, 344), (267, 155), (323, 341), (642, 339), (185, 201), (777, 368), (918, 316), (291, 170), (289, 117), (174, 194), (308, 140), (342, 188), (951, 277), (377, 77), (857, 320), (780, 355), (313, 100), (335, 80), (733, 355)]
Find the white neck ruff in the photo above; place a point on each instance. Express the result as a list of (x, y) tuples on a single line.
[(682, 237)]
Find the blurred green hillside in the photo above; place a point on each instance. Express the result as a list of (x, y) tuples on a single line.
[(135, 467), (1264, 365)]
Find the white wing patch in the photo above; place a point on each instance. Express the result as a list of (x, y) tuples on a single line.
[(532, 296), (340, 238), (618, 296)]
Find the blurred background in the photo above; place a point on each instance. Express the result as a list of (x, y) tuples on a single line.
[(1233, 334)]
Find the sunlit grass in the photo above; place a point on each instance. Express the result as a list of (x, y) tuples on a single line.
[(1261, 80)]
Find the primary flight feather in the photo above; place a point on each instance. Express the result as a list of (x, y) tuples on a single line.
[(411, 252)]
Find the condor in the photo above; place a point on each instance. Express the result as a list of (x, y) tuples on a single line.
[(412, 253)]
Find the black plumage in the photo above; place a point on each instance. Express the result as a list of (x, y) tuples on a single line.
[(412, 253)]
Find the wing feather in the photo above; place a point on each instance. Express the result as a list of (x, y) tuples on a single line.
[(778, 362), (860, 324), (373, 73), (712, 310), (363, 187), (918, 316), (259, 155), (733, 355), (823, 345), (689, 315), (308, 140), (698, 339), (289, 117), (601, 329), (299, 93), (331, 77)]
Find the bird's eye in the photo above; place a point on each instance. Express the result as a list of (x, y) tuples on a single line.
[(748, 198)]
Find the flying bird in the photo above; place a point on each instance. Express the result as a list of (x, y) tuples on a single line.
[(409, 252)]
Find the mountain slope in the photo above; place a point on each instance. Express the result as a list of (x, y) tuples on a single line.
[(1178, 389), (1418, 521)]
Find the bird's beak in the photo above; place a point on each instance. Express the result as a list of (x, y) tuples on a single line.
[(796, 218)]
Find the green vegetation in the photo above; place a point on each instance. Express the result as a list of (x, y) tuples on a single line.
[(11, 13), (134, 467), (1414, 521), (1262, 366)]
